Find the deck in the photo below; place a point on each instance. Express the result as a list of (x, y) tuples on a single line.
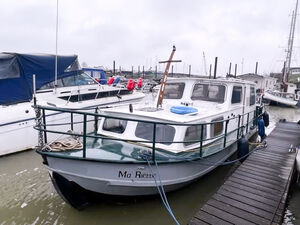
[(256, 192)]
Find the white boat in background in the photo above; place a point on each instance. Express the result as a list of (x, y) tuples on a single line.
[(75, 90), (283, 98), (288, 95)]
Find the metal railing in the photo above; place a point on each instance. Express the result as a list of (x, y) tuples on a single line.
[(42, 127)]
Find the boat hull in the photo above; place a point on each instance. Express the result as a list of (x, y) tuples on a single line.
[(134, 179), (280, 100)]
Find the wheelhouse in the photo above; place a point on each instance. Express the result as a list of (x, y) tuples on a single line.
[(220, 104)]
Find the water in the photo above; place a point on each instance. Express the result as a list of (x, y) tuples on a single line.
[(27, 195)]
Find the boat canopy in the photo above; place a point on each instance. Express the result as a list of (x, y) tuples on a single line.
[(16, 71), (96, 73)]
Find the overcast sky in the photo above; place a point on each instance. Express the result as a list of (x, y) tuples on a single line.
[(142, 32)]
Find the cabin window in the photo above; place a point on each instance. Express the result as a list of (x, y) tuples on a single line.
[(236, 94), (252, 95), (74, 80), (164, 133), (209, 92), (193, 134), (96, 74), (217, 127), (174, 90), (51, 85), (114, 125)]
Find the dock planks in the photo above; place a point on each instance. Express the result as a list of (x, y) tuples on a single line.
[(256, 192)]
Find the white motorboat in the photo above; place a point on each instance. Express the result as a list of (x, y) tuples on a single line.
[(74, 90), (140, 146), (283, 98)]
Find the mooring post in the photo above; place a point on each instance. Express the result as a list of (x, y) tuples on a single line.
[(132, 71), (143, 72), (235, 70), (215, 71), (114, 67), (256, 66)]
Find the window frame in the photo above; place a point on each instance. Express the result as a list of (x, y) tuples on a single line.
[(212, 126), (251, 102), (241, 95), (158, 137), (198, 138), (112, 131), (209, 100)]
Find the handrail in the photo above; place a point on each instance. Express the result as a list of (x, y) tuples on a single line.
[(135, 120), (43, 128)]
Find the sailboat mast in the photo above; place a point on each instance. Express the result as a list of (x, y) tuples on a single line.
[(55, 82), (290, 44)]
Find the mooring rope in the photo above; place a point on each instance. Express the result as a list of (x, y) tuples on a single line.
[(70, 143), (160, 187)]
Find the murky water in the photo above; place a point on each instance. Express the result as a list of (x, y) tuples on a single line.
[(27, 195)]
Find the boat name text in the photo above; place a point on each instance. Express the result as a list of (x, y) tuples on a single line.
[(136, 174)]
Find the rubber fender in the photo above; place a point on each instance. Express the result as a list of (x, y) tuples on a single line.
[(266, 119), (110, 81), (242, 148), (130, 85)]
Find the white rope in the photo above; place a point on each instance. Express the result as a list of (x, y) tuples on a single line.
[(71, 143)]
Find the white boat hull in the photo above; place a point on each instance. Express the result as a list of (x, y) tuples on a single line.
[(281, 100), (18, 134)]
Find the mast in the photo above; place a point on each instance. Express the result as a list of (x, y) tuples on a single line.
[(165, 76), (55, 72), (290, 44)]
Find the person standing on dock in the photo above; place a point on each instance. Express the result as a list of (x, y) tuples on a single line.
[(261, 129)]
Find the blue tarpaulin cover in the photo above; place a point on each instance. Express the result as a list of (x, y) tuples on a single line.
[(16, 72)]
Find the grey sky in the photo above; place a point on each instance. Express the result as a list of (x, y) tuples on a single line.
[(142, 32)]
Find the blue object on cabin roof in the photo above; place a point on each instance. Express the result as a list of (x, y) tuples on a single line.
[(16, 72), (183, 110), (93, 72)]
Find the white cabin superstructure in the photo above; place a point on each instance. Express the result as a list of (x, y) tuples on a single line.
[(213, 100)]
